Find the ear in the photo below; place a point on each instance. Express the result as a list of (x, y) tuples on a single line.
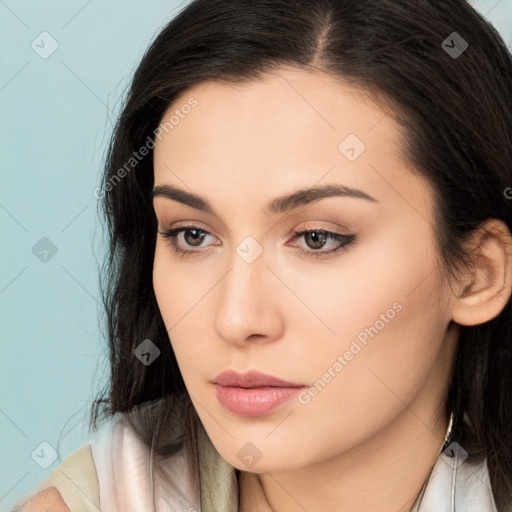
[(487, 286)]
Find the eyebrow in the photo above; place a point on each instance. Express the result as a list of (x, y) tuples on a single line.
[(280, 204)]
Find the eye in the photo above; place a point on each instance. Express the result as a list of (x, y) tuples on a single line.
[(318, 238), (192, 235), (315, 239)]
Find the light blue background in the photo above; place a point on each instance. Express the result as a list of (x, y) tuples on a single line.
[(57, 116)]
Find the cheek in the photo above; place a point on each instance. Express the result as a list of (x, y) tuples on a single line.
[(386, 311), (178, 295), (362, 290)]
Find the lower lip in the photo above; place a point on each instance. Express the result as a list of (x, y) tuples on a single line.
[(254, 401)]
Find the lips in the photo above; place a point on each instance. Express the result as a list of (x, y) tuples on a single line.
[(253, 394), (252, 379)]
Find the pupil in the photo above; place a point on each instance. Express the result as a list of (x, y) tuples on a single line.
[(197, 236), (318, 240)]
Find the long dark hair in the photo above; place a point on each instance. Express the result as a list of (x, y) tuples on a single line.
[(454, 101)]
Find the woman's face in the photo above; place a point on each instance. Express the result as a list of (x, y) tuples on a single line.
[(355, 311)]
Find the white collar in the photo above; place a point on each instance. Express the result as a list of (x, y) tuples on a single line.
[(123, 466), (457, 485)]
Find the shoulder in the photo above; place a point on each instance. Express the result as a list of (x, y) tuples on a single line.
[(72, 486), (47, 500)]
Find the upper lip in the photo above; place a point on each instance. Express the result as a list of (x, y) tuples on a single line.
[(251, 379)]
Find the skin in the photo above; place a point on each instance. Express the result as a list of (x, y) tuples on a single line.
[(50, 500), (368, 439)]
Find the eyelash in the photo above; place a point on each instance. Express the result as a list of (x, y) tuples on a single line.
[(346, 240)]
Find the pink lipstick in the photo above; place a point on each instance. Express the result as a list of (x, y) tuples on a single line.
[(253, 393)]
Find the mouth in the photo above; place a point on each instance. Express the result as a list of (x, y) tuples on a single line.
[(252, 379), (253, 394)]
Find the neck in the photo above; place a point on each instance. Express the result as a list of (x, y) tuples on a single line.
[(386, 472)]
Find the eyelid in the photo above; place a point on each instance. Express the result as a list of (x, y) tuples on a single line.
[(172, 233), (162, 230), (167, 226), (344, 240)]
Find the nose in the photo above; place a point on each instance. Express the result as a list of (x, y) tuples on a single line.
[(247, 307)]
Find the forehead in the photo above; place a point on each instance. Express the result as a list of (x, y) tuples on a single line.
[(289, 101), (289, 129)]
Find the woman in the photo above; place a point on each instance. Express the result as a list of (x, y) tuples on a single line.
[(310, 270)]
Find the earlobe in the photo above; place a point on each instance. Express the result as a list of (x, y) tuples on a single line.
[(488, 284)]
